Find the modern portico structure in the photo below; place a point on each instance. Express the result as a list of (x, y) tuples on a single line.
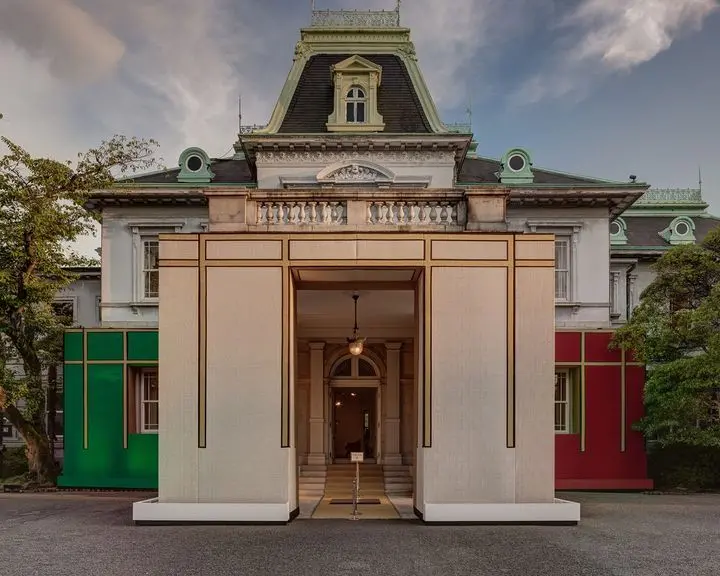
[(236, 421), (468, 272)]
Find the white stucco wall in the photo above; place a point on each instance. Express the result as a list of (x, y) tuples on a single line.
[(85, 295), (438, 167), (122, 304), (588, 228)]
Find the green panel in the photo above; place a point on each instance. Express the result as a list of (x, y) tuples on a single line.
[(73, 415), (143, 346), (73, 344), (105, 345), (105, 463)]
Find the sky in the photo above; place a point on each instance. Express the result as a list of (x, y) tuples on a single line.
[(604, 88)]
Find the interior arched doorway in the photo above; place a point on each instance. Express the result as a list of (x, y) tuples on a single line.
[(355, 408)]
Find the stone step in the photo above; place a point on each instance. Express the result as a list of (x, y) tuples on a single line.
[(313, 474)]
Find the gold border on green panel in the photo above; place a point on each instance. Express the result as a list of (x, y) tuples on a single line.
[(85, 390), (510, 347), (125, 390), (202, 344)]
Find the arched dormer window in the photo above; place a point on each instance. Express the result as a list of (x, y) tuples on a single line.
[(355, 102)]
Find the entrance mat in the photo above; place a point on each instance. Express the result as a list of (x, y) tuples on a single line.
[(361, 501), (342, 508)]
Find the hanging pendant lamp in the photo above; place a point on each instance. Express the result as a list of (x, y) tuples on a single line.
[(355, 344)]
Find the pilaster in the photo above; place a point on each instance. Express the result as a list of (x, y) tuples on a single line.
[(317, 452), (391, 428)]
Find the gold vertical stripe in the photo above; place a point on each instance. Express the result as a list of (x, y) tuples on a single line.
[(202, 346), (582, 392), (510, 384), (85, 390), (623, 401), (125, 390), (427, 376), (285, 319)]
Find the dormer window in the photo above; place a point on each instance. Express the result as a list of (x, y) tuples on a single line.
[(355, 105), (355, 109)]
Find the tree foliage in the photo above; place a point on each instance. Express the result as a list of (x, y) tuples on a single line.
[(676, 330), (41, 214)]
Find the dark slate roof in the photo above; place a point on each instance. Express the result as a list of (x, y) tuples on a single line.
[(312, 102), (483, 171), (227, 171), (644, 231)]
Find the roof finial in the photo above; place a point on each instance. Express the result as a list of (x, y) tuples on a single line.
[(312, 5), (397, 9), (700, 178)]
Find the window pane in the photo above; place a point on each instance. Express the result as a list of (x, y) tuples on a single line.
[(360, 112), (59, 424), (152, 253), (152, 284), (365, 368), (151, 416), (350, 112), (344, 368), (561, 254)]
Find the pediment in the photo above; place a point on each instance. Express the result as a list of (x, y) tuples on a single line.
[(354, 172), (356, 65)]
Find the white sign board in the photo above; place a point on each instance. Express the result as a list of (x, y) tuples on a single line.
[(356, 456)]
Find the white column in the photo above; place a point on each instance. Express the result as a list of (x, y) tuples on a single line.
[(317, 405), (614, 293), (391, 429)]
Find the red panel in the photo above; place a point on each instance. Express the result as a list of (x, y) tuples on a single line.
[(603, 466), (567, 347), (596, 348), (634, 441), (602, 428)]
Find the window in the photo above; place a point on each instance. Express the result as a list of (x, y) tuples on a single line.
[(64, 310), (149, 398), (150, 268), (355, 105), (354, 367), (562, 401), (6, 430), (562, 268), (55, 425)]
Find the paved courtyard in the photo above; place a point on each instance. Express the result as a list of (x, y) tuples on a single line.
[(633, 534)]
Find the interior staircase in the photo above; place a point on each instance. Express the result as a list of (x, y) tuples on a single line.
[(335, 480)]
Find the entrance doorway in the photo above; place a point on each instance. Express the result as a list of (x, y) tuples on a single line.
[(354, 422)]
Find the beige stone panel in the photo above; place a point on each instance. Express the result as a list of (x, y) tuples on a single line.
[(323, 249), (178, 385), (469, 461), (469, 250), (534, 384), (390, 249), (534, 250), (243, 250), (243, 460), (179, 250)]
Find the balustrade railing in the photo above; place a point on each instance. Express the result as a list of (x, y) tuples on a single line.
[(299, 213), (416, 213)]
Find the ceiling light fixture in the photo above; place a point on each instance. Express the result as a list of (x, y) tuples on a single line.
[(356, 344)]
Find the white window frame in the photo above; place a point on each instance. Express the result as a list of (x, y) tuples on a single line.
[(354, 100), (563, 229), (59, 389), (567, 402), (142, 232), (145, 242), (565, 241), (69, 300), (142, 402)]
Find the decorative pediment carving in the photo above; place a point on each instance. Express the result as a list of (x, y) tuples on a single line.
[(355, 172)]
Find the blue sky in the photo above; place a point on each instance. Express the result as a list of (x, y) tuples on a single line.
[(605, 88)]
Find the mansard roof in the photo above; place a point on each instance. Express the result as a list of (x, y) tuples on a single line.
[(226, 170), (482, 170), (643, 232), (312, 101)]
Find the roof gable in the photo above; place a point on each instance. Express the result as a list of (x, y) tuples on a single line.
[(356, 64)]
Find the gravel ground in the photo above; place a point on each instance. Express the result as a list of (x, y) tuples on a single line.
[(620, 534)]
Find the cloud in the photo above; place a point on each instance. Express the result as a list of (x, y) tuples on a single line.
[(602, 37), (74, 45)]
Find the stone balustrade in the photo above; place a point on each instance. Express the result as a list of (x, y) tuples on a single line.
[(299, 213), (415, 213)]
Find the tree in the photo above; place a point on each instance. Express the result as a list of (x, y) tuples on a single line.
[(675, 330), (41, 213)]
